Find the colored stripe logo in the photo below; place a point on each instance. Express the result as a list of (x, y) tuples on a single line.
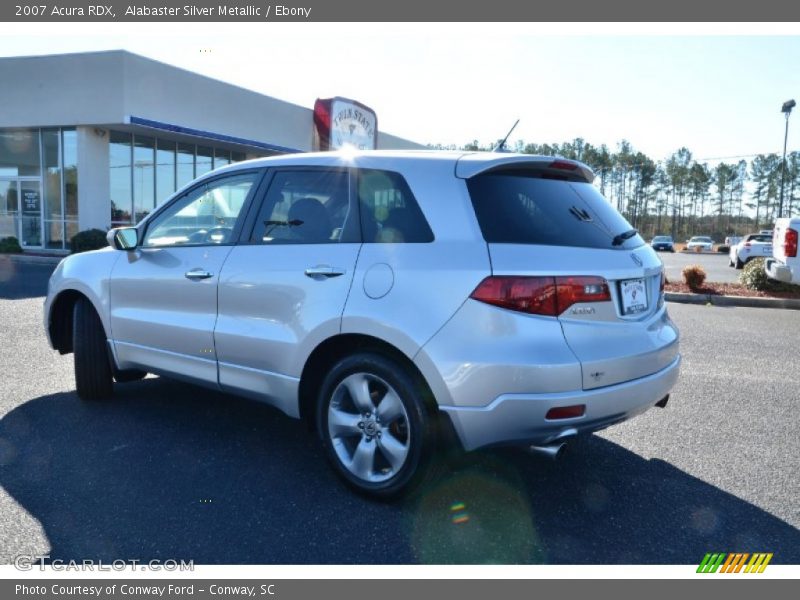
[(734, 562), (459, 513)]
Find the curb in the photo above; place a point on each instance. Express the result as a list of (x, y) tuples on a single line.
[(33, 259), (788, 303)]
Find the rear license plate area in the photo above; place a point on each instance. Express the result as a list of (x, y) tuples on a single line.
[(634, 296)]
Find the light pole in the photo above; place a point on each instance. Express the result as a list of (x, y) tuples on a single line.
[(787, 110)]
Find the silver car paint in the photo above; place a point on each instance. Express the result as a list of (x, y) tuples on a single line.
[(272, 315), (612, 348), (521, 417), (161, 321), (477, 359), (87, 273)]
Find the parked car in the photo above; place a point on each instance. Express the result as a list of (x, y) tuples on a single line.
[(784, 264), (700, 241), (662, 243), (752, 246), (398, 302)]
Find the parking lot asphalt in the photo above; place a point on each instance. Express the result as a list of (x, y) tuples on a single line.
[(715, 265), (169, 470)]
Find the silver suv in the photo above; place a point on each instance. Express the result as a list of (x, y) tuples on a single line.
[(398, 302)]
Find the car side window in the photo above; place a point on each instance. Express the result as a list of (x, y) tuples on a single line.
[(389, 212), (306, 207), (206, 215)]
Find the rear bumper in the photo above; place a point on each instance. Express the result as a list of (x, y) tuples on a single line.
[(778, 271), (520, 418)]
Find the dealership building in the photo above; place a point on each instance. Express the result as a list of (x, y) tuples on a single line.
[(99, 139)]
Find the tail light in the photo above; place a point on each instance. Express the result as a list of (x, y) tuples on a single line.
[(747, 244), (563, 165), (566, 412), (790, 243), (548, 296)]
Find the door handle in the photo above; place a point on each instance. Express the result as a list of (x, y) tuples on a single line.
[(195, 274), (317, 272)]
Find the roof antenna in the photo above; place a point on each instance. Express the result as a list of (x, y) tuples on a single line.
[(501, 146)]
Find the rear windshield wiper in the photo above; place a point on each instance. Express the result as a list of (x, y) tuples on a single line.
[(620, 238)]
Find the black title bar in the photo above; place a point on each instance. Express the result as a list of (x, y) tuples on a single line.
[(779, 11)]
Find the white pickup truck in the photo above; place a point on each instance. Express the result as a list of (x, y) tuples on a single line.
[(784, 265)]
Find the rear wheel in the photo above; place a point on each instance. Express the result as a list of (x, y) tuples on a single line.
[(374, 425), (739, 263), (93, 374)]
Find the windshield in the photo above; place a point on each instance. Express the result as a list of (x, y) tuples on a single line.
[(705, 240), (528, 208), (662, 238)]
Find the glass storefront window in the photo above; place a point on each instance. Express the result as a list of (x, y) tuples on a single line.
[(19, 153), (221, 158), (144, 193), (185, 166), (205, 160), (54, 234), (69, 149), (165, 171), (52, 175), (72, 230), (120, 171), (146, 171)]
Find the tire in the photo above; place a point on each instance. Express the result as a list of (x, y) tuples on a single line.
[(93, 374), (730, 261), (377, 431), (739, 263)]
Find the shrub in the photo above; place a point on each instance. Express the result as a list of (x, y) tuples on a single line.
[(754, 277), (694, 276), (91, 239), (10, 245), (722, 248)]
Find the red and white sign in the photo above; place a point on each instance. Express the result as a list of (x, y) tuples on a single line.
[(340, 122)]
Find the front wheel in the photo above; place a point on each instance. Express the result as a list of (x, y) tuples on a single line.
[(93, 373), (375, 426)]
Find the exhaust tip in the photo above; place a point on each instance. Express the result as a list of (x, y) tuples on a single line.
[(551, 451)]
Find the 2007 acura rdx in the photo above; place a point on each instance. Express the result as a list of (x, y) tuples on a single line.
[(392, 299)]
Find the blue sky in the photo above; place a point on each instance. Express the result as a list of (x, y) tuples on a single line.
[(719, 95)]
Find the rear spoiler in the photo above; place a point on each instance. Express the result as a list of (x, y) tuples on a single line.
[(476, 163)]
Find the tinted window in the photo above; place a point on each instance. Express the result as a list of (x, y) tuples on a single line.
[(206, 215), (306, 207), (759, 238), (389, 211), (524, 208)]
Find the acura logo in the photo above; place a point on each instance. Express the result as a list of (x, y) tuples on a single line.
[(637, 260)]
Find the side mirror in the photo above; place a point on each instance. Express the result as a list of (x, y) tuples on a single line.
[(123, 238)]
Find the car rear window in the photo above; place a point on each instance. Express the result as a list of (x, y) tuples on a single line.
[(527, 208)]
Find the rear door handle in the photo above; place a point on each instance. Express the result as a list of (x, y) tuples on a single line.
[(195, 274), (321, 271)]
